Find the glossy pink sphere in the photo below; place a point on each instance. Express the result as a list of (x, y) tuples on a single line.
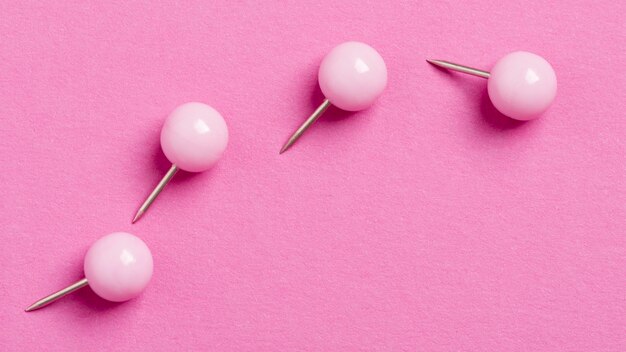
[(352, 76), (522, 85), (194, 137), (118, 266)]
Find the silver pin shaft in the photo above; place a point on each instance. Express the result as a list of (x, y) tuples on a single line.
[(460, 68), (53, 297), (316, 114), (164, 181)]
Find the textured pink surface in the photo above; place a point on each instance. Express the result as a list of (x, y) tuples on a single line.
[(428, 222)]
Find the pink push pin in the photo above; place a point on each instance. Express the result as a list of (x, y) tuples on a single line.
[(193, 139), (351, 76), (117, 267), (521, 85)]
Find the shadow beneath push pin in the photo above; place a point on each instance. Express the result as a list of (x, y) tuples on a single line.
[(494, 118), (160, 161), (316, 97), (162, 165), (333, 113), (85, 296), (91, 300)]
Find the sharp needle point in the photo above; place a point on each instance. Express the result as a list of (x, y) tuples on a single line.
[(287, 145), (459, 68), (53, 297), (316, 114), (168, 176), (37, 305), (31, 308), (439, 63), (137, 216)]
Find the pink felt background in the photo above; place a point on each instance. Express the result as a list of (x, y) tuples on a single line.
[(427, 223)]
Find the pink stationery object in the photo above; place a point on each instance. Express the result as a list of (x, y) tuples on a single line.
[(521, 85), (193, 139), (117, 267), (351, 76)]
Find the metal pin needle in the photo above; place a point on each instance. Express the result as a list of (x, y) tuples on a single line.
[(159, 187), (316, 114), (460, 68), (53, 297)]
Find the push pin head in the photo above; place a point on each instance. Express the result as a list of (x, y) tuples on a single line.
[(193, 139), (351, 77), (117, 267), (521, 85)]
